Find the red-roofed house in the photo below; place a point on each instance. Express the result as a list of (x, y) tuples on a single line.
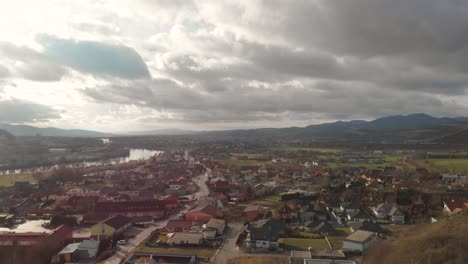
[(203, 214), (178, 225), (152, 208), (455, 206)]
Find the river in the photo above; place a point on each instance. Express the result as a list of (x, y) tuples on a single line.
[(134, 154)]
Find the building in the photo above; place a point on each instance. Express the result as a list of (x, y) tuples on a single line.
[(111, 226), (185, 238), (252, 212), (178, 226), (145, 208), (219, 225), (87, 249), (359, 241), (265, 233), (203, 214), (452, 207)]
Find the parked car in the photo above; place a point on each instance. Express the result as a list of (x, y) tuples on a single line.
[(121, 242)]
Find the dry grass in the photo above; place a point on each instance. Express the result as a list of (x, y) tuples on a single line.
[(10, 179), (442, 242), (259, 260)]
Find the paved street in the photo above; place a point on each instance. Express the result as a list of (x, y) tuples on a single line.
[(229, 250), (123, 251)]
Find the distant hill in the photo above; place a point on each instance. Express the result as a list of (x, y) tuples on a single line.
[(160, 132), (5, 135), (399, 127), (24, 130), (442, 242)]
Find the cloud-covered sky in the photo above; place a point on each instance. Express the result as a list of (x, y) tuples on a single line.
[(128, 65)]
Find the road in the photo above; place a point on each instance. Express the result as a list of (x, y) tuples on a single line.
[(125, 250), (229, 250)]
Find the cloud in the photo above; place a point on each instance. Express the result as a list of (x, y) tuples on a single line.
[(96, 58), (29, 64), (21, 111), (246, 63), (270, 101)]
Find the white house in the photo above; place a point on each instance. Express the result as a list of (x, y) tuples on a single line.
[(359, 241)]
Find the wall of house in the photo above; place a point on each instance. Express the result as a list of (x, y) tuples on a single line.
[(100, 229), (353, 246)]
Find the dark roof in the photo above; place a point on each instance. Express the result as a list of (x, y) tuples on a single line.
[(324, 228), (118, 221), (267, 229), (179, 224), (359, 214), (368, 226)]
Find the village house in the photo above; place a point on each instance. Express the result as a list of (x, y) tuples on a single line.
[(265, 233), (134, 209), (252, 212), (185, 238), (203, 214), (388, 211), (178, 226), (219, 225), (452, 207), (111, 226), (359, 241), (77, 252)]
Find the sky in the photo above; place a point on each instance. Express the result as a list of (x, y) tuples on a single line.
[(140, 65)]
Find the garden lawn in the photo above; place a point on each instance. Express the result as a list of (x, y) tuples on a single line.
[(199, 252), (304, 244)]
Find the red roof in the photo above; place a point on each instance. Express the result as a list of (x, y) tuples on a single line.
[(221, 184), (456, 204), (82, 200), (179, 224), (130, 206)]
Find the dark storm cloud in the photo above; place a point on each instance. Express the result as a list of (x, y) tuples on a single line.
[(96, 58), (21, 111), (29, 64)]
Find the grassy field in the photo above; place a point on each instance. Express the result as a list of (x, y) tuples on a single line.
[(449, 165), (335, 165), (237, 162), (325, 150), (266, 201), (304, 244), (259, 260), (200, 252), (10, 179)]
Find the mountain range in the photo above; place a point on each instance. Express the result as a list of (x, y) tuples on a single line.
[(408, 127), (25, 130)]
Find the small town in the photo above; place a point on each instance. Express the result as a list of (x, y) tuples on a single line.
[(290, 204), (234, 132)]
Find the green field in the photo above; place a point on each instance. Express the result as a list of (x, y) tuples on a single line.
[(266, 201), (325, 150), (335, 165), (449, 165), (237, 163), (304, 244), (10, 179)]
